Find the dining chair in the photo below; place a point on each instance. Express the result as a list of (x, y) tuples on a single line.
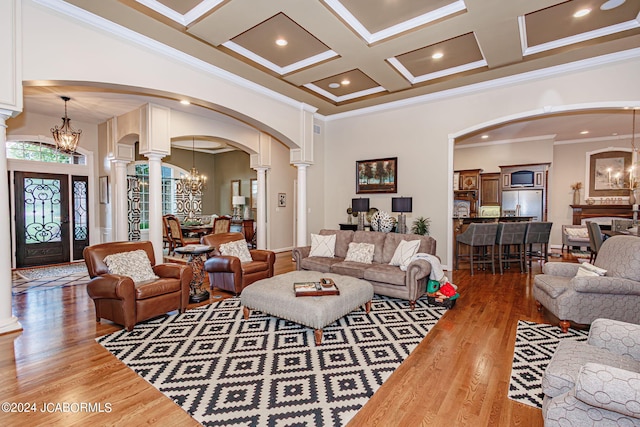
[(221, 224), (249, 232), (510, 235), (537, 235), (480, 238), (175, 231), (595, 239), (167, 241)]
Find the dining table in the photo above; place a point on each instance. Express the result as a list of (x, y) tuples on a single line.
[(199, 230)]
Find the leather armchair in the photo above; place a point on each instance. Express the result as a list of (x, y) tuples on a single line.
[(119, 299), (227, 272), (582, 299)]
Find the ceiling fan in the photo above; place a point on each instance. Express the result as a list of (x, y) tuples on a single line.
[(611, 4)]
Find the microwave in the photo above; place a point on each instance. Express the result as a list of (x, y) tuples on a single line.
[(522, 179)]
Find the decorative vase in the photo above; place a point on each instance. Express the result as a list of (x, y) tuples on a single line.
[(632, 197), (576, 197)]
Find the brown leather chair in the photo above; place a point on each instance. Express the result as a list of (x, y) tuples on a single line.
[(118, 299), (227, 272)]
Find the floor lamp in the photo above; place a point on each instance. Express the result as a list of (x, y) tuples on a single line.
[(360, 205), (402, 205)]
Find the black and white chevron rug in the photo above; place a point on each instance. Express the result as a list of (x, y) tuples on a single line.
[(535, 344), (266, 371)]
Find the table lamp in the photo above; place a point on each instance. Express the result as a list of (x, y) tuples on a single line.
[(360, 205), (237, 201), (402, 205)]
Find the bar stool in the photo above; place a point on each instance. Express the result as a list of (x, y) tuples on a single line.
[(478, 235), (537, 234), (511, 234)]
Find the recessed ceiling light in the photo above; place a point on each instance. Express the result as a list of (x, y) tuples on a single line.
[(282, 42), (611, 4), (345, 82), (484, 136), (581, 13), (185, 102), (437, 55), (334, 85), (584, 132)]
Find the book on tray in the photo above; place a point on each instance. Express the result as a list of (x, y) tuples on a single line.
[(325, 286)]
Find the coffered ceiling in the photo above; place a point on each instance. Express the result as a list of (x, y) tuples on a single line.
[(340, 55)]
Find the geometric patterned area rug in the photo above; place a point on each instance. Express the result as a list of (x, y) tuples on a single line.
[(265, 371), (535, 344)]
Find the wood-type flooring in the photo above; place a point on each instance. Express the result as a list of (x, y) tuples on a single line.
[(458, 375)]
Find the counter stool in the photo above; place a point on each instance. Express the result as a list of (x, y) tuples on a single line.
[(478, 235), (511, 234), (537, 234)]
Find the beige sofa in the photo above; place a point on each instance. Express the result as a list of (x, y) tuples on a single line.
[(386, 279)]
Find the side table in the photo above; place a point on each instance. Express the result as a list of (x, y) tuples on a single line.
[(196, 262)]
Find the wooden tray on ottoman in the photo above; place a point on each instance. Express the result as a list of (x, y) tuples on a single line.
[(315, 289)]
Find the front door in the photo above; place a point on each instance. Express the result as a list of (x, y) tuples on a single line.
[(42, 219)]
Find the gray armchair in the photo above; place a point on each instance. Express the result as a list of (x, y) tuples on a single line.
[(595, 382), (616, 295)]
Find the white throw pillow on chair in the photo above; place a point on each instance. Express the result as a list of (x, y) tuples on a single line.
[(237, 248), (323, 246), (134, 264)]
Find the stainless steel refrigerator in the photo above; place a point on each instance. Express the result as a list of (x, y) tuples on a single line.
[(522, 203)]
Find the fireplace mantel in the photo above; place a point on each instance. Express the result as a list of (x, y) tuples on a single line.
[(581, 212)]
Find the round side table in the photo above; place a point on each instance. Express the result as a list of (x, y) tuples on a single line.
[(196, 262)]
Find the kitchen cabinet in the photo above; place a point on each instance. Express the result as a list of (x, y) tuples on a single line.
[(466, 195), (490, 189)]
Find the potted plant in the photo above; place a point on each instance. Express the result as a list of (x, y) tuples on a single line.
[(421, 226)]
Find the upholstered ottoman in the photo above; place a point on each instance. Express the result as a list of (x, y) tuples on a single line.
[(275, 296)]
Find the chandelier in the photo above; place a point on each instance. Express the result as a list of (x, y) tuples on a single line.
[(193, 182), (66, 137)]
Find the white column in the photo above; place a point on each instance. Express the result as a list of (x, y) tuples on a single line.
[(301, 211), (261, 220), (119, 196), (8, 322), (155, 204)]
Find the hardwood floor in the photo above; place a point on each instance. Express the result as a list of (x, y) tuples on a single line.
[(458, 375)]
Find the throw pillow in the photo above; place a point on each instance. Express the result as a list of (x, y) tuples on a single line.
[(237, 248), (323, 246), (587, 269), (134, 264), (405, 252), (360, 252)]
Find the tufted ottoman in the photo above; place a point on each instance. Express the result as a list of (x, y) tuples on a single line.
[(275, 296)]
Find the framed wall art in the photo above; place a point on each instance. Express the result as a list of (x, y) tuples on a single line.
[(377, 176), (235, 190), (104, 189), (254, 193), (608, 173)]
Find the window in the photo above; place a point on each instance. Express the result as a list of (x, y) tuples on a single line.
[(141, 172), (41, 152)]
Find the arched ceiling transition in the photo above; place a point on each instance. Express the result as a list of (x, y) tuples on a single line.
[(96, 104)]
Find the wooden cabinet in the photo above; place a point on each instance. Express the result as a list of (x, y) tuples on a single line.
[(467, 191), (490, 189), (469, 179)]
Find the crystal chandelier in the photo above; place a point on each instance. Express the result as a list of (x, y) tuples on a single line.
[(194, 182), (66, 137)]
